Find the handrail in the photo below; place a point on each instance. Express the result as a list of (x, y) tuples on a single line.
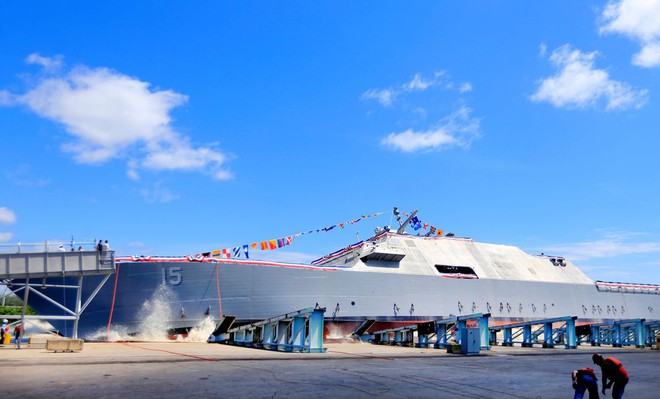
[(45, 246), (23, 265)]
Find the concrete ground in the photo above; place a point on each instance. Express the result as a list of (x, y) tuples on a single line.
[(347, 370)]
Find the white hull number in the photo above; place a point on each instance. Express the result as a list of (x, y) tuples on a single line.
[(172, 275)]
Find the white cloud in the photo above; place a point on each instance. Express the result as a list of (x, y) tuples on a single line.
[(53, 64), (611, 245), (131, 170), (387, 97), (132, 174), (7, 216), (417, 83), (457, 130), (112, 115), (578, 84), (6, 98), (649, 56), (465, 88), (639, 20)]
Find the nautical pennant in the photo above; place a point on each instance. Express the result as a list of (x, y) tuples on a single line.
[(416, 223), (272, 244)]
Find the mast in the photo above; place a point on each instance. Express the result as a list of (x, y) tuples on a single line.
[(397, 214)]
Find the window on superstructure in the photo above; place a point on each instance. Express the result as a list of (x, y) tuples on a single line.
[(558, 261), (456, 270)]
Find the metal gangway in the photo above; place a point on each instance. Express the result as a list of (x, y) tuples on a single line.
[(298, 331), (31, 272)]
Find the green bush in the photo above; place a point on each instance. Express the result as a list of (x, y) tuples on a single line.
[(15, 310)]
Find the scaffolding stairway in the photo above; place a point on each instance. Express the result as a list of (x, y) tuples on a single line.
[(26, 272)]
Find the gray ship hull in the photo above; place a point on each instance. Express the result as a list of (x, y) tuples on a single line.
[(187, 292)]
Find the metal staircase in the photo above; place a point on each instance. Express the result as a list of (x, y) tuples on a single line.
[(26, 272)]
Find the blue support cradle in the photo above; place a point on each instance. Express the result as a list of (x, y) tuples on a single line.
[(299, 331), (551, 336)]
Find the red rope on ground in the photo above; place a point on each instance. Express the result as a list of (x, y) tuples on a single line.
[(217, 285), (114, 294)]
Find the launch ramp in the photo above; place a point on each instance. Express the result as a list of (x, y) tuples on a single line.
[(363, 327), (224, 325), (26, 272)]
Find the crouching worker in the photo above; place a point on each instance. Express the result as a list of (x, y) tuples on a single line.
[(585, 380), (613, 373)]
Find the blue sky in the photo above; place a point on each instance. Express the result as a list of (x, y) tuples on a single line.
[(174, 128)]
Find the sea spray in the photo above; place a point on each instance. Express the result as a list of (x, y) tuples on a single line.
[(154, 318), (200, 332), (335, 332), (155, 315)]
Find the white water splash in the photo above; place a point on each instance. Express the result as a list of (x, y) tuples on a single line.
[(200, 332), (335, 332), (155, 316)]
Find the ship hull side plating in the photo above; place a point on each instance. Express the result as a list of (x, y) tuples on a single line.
[(192, 291)]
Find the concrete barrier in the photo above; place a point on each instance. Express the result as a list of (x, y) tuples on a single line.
[(64, 345)]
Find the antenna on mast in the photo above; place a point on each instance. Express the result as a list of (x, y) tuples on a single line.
[(397, 214)]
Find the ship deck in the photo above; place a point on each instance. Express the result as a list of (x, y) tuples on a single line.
[(351, 370)]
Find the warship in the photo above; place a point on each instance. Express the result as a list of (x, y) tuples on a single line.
[(392, 277)]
